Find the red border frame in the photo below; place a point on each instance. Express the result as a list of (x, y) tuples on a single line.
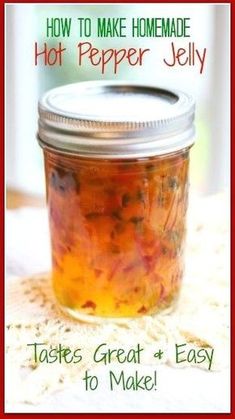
[(2, 207)]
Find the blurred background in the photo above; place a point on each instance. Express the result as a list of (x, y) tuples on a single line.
[(25, 83)]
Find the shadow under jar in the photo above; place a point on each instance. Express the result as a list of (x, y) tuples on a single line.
[(116, 163)]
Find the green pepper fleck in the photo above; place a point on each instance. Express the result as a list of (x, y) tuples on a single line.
[(116, 215), (114, 248), (140, 196), (119, 228), (173, 182), (125, 199), (149, 167), (92, 215), (136, 220)]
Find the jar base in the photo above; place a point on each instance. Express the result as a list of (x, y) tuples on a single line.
[(92, 319), (89, 318)]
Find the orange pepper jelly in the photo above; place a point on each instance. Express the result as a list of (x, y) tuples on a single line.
[(117, 191)]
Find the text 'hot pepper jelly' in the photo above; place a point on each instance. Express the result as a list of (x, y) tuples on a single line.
[(116, 164)]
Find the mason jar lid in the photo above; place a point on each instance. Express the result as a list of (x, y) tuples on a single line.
[(115, 119)]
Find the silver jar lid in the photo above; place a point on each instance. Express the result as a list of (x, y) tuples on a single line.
[(115, 119)]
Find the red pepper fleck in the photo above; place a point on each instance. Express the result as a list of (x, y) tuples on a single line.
[(131, 267), (149, 262), (162, 292), (98, 272), (89, 304), (142, 310), (114, 269), (157, 278)]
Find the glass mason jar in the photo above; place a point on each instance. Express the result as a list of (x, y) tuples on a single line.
[(116, 163)]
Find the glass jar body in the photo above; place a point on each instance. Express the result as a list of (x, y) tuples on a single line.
[(117, 232)]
